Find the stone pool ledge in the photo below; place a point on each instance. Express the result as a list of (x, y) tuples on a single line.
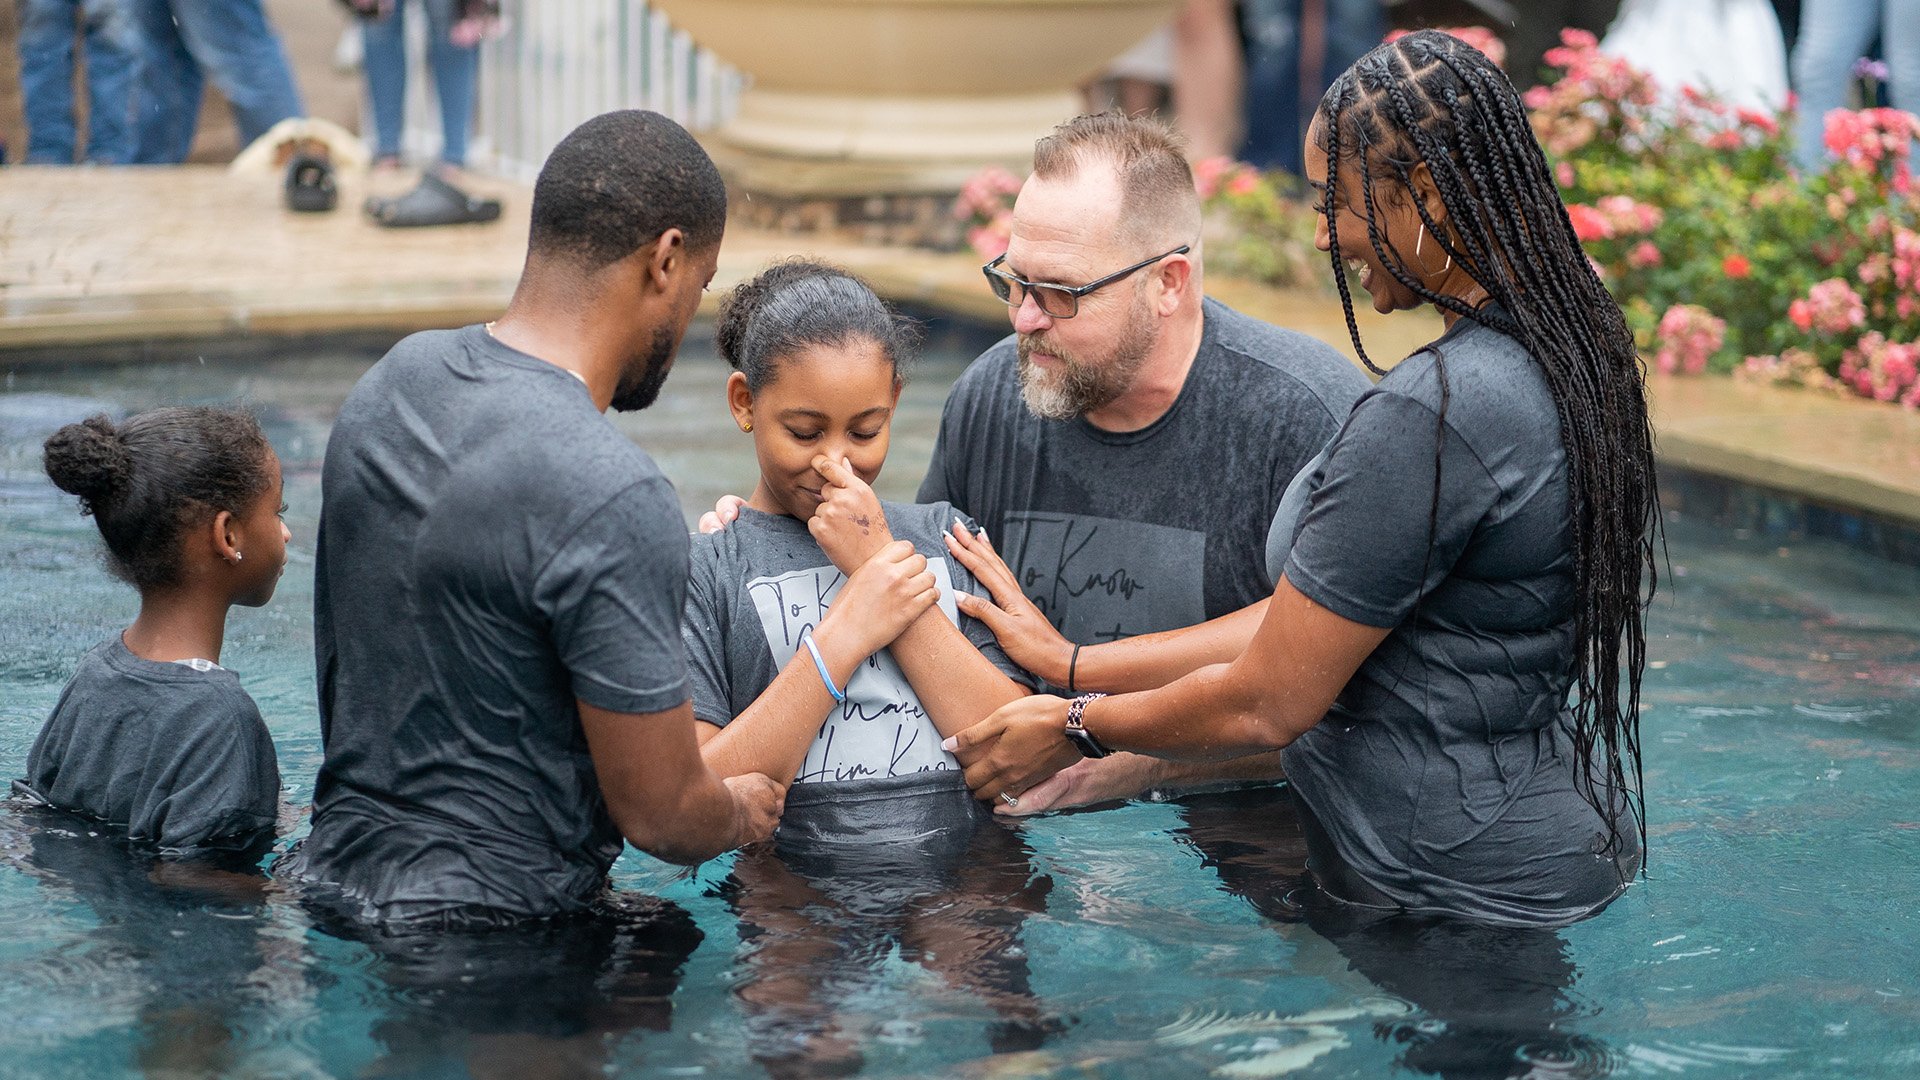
[(96, 257)]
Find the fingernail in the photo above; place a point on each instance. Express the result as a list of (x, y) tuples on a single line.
[(950, 743), (983, 535)]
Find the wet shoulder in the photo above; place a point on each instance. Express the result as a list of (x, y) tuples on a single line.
[(1293, 363), (1488, 383), (923, 523)]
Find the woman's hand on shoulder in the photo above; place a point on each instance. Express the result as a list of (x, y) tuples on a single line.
[(848, 524), (882, 598), (1024, 633)]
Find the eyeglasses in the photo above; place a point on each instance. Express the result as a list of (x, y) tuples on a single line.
[(1058, 301)]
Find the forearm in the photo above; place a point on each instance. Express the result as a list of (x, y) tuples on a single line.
[(1154, 660), (705, 823), (1210, 715), (772, 735), (956, 683), (1188, 774)]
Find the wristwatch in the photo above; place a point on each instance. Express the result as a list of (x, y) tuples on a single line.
[(1076, 732)]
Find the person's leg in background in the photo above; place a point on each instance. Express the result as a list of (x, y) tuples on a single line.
[(384, 58), (1833, 35), (1900, 48), (46, 79), (114, 53), (236, 47), (1208, 77), (167, 88), (1271, 29), (1295, 49), (456, 70)]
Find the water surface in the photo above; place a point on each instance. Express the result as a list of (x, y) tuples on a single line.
[(1775, 934)]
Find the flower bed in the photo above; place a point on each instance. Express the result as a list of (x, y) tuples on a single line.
[(1721, 256)]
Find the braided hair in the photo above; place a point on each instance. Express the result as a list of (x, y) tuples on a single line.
[(1430, 98)]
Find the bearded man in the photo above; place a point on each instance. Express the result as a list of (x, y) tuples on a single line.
[(1126, 448), (500, 575)]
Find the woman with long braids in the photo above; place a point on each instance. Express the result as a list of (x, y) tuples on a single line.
[(1452, 656)]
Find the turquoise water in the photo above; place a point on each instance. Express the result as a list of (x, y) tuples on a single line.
[(1775, 935)]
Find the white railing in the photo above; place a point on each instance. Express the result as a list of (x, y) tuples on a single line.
[(561, 62)]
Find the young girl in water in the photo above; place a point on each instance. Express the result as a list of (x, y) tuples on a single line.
[(825, 647), (821, 628), (152, 734)]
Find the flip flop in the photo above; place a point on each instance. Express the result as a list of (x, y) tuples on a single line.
[(434, 202), (310, 188)]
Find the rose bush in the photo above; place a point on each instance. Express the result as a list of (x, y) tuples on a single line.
[(1693, 212)]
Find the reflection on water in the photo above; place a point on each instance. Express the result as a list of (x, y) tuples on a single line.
[(1485, 1001), (818, 926), (1774, 935)]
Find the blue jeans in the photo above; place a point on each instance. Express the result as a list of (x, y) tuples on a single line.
[(454, 72), (226, 41), (46, 79), (1278, 108), (1834, 34)]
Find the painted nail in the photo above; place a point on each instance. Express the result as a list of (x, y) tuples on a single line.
[(950, 743)]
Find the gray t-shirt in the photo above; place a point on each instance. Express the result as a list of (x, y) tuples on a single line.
[(178, 756), (1117, 534), (490, 549), (757, 585), (1444, 773)]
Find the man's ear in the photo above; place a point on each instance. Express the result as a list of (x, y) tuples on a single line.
[(665, 257), (1175, 277)]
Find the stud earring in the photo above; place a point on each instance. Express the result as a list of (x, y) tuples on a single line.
[(237, 556), (747, 427)]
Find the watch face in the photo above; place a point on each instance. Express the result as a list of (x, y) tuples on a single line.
[(1084, 742)]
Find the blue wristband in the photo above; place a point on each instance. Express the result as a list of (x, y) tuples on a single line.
[(807, 640)]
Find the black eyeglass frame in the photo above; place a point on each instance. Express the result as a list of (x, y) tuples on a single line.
[(998, 280)]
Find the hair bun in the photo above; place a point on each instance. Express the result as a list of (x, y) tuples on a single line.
[(89, 459)]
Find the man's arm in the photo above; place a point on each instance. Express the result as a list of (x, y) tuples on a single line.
[(661, 794)]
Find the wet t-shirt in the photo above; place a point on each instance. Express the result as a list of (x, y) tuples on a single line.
[(1114, 534), (490, 549), (761, 583), (176, 754), (1444, 773)]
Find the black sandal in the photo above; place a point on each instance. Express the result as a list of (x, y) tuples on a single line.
[(310, 188), (434, 202)]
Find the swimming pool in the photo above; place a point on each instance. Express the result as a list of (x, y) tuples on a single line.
[(1776, 933)]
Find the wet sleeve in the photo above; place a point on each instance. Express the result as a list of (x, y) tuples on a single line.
[(705, 635), (614, 593), (224, 789), (1375, 540)]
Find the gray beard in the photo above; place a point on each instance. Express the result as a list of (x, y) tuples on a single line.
[(1078, 387)]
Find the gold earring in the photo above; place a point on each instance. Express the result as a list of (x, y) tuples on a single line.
[(747, 427)]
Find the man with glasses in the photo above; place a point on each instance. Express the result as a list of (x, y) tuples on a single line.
[(1127, 447)]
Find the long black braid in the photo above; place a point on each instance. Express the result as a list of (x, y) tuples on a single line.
[(1430, 98)]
